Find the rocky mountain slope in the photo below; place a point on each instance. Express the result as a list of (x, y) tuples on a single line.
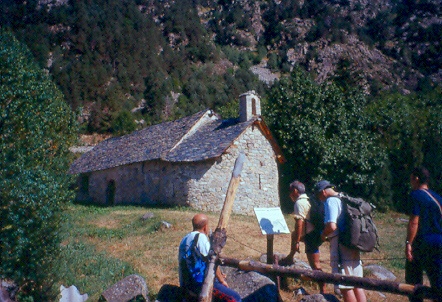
[(175, 57)]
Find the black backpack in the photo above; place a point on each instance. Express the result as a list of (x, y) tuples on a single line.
[(317, 214), (360, 231)]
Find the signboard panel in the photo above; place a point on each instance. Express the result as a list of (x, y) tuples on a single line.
[(271, 221)]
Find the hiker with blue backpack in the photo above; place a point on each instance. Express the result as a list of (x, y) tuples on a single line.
[(423, 246), (343, 259), (193, 259)]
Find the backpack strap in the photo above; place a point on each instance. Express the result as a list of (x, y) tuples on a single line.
[(195, 240), (195, 249), (434, 199)]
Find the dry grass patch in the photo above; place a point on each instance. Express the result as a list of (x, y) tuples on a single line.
[(152, 251)]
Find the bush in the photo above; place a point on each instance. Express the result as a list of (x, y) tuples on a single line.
[(36, 129)]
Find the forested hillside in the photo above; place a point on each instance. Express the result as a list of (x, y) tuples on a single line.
[(166, 59), (366, 74), (351, 90)]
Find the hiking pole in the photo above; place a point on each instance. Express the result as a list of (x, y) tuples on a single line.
[(219, 237)]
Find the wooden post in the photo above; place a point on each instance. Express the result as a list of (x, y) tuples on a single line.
[(367, 283), (270, 238), (220, 235), (278, 280)]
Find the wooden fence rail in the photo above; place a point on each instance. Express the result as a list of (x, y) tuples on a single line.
[(366, 283)]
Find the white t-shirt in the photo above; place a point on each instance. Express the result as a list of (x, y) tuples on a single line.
[(203, 246)]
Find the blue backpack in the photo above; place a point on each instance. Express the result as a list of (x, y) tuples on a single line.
[(195, 262)]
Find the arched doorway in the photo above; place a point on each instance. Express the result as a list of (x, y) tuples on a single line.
[(110, 193)]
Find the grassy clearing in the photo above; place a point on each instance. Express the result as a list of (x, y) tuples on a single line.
[(103, 245)]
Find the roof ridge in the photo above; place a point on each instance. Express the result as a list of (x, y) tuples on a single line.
[(200, 122)]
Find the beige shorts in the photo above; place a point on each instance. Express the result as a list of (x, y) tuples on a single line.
[(351, 268), (349, 260)]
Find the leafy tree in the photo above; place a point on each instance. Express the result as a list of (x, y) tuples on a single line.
[(345, 77), (229, 110), (36, 129), (411, 128), (324, 134)]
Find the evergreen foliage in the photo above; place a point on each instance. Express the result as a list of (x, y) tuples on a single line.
[(174, 58), (123, 123), (324, 133), (36, 129), (108, 55)]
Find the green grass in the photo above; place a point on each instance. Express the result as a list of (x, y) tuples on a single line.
[(81, 264), (392, 228), (102, 245)]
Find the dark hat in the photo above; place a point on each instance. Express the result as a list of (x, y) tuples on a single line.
[(322, 185)]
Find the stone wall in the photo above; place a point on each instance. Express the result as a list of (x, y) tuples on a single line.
[(259, 177), (146, 183), (201, 185)]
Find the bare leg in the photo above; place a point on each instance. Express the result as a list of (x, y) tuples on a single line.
[(360, 294), (354, 295), (348, 295), (315, 264)]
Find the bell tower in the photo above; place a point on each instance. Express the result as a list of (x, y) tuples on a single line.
[(249, 106)]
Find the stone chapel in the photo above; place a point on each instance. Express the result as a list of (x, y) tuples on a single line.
[(187, 162)]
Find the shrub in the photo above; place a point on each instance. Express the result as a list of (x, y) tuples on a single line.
[(36, 129)]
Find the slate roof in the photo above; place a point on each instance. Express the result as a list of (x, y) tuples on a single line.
[(209, 141), (142, 145), (176, 141)]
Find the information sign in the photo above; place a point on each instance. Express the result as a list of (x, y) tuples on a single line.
[(271, 221)]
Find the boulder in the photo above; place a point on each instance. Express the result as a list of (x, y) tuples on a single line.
[(148, 215), (165, 225), (251, 286), (295, 263), (379, 272), (8, 289), (4, 295), (263, 257), (131, 288)]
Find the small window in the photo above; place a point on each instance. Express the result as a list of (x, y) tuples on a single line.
[(253, 106)]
